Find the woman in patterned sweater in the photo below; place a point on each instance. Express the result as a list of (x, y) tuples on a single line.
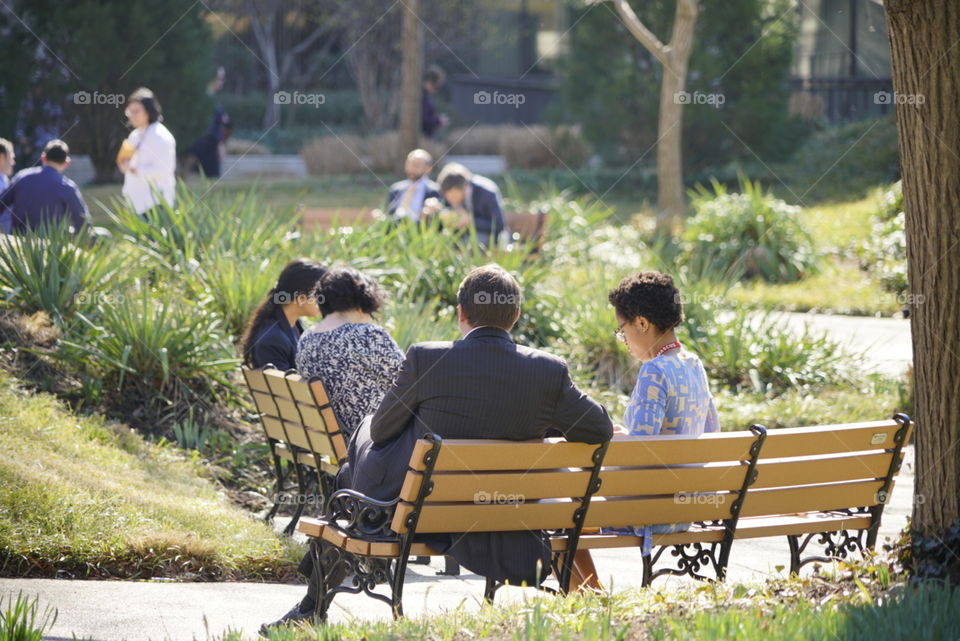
[(356, 359), (672, 394)]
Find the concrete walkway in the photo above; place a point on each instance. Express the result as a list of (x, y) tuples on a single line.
[(164, 610)]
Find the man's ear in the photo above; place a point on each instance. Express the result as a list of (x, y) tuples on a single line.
[(461, 316)]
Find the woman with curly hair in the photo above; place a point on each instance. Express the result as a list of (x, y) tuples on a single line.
[(356, 359), (672, 394)]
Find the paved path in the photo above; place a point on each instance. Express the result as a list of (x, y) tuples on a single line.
[(884, 342), (138, 611)]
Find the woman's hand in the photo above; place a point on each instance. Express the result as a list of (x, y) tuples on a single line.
[(620, 430)]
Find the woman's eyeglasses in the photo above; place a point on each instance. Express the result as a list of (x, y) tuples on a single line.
[(618, 332)]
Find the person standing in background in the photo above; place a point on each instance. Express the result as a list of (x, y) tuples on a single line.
[(148, 157), (7, 161), (206, 153), (430, 120)]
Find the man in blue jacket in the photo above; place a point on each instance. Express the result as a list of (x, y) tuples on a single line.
[(407, 197), (43, 195), (478, 196)]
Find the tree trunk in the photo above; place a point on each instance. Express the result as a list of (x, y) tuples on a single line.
[(674, 58), (412, 44), (926, 68)]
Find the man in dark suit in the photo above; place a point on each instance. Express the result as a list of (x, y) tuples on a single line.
[(43, 195), (484, 386), (407, 197), (478, 196)]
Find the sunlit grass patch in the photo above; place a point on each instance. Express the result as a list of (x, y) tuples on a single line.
[(93, 499)]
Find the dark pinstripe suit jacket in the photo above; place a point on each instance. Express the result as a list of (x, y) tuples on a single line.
[(484, 386)]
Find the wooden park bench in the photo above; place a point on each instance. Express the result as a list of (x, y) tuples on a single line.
[(302, 430), (799, 483)]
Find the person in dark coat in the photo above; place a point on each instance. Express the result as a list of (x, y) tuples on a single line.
[(484, 386), (43, 195), (431, 121), (407, 197), (476, 196), (274, 329)]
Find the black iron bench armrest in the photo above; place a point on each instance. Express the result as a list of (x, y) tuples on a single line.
[(360, 516)]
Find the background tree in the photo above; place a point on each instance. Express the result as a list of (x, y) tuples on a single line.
[(674, 57), (109, 49), (411, 81), (926, 67), (609, 83)]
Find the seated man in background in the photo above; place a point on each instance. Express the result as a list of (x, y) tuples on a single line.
[(40, 195), (484, 386), (407, 197), (478, 197)]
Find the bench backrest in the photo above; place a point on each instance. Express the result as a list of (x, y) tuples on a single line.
[(297, 412), (673, 479), (491, 486), (827, 467)]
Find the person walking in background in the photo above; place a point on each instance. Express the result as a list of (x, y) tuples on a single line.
[(430, 120), (274, 329), (206, 154), (476, 198), (43, 195), (148, 157), (7, 162), (407, 197), (672, 395)]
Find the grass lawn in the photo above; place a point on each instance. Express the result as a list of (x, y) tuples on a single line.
[(92, 498), (789, 610)]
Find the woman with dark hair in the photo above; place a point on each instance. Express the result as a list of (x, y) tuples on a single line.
[(148, 157), (356, 359), (672, 395), (274, 329)]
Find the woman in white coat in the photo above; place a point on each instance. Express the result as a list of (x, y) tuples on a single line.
[(148, 157)]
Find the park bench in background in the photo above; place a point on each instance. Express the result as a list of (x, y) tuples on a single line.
[(301, 429), (829, 481)]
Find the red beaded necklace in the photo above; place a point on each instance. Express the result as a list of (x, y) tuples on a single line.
[(667, 348)]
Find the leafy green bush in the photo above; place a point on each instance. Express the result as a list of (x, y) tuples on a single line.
[(153, 348), (53, 271), (885, 252), (751, 230)]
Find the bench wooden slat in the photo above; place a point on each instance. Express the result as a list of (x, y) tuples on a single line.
[(467, 517), (756, 527), (273, 426), (468, 486), (829, 439), (784, 472), (496, 455), (622, 481), (264, 403), (812, 498), (255, 380), (621, 512), (678, 450)]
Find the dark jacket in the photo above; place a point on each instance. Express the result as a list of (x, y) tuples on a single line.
[(42, 194), (487, 208), (482, 387), (398, 189), (276, 343)]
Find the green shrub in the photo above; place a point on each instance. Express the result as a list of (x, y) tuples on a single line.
[(53, 271), (22, 620), (180, 237), (752, 231), (153, 348), (885, 252)]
